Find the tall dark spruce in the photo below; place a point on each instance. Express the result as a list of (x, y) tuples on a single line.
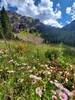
[(5, 25)]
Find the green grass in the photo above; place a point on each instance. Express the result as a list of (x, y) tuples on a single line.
[(20, 60)]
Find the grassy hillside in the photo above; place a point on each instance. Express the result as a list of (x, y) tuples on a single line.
[(27, 70)]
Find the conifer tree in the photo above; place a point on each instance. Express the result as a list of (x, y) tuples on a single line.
[(0, 31), (5, 24)]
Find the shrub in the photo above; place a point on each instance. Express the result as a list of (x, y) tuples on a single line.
[(61, 57), (21, 48), (51, 54), (69, 85)]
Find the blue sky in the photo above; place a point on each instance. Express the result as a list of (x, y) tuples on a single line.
[(56, 13)]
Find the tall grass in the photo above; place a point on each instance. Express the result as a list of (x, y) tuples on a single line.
[(21, 60)]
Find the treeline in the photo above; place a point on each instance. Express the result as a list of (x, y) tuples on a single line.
[(65, 37)]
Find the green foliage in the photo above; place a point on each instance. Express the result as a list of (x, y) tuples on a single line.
[(48, 91), (0, 31), (61, 58), (25, 60), (22, 34), (5, 24), (69, 84), (51, 54)]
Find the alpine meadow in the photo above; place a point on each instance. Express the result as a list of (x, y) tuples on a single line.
[(37, 50)]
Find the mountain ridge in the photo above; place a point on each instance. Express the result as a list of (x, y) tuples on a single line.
[(48, 33)]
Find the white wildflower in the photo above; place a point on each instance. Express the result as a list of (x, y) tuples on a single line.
[(21, 80), (35, 77), (46, 72), (51, 82), (66, 80), (10, 61), (46, 65), (54, 92), (11, 71), (1, 52), (24, 64), (60, 72), (39, 91)]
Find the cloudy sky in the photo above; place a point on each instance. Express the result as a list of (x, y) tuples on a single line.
[(56, 13)]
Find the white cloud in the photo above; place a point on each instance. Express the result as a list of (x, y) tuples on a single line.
[(12, 2), (71, 11), (68, 22), (4, 3), (0, 5), (68, 10), (44, 11), (27, 8), (53, 23), (47, 15)]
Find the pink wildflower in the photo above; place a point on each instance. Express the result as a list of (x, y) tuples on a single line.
[(63, 96)]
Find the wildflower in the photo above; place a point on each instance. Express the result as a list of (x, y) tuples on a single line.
[(59, 85), (54, 97), (63, 96), (46, 72), (48, 68), (28, 67), (21, 80), (60, 72), (21, 68), (24, 64), (66, 80), (11, 71), (35, 77), (39, 91), (11, 61), (1, 52), (54, 92), (51, 82), (46, 65), (67, 91), (55, 80), (34, 81), (17, 64)]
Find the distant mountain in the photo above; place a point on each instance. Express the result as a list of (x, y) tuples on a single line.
[(69, 33), (70, 27), (48, 33), (20, 23)]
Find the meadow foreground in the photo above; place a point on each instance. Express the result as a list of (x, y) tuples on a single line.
[(36, 72)]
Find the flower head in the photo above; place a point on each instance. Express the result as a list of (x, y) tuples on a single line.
[(63, 96), (54, 97), (39, 91)]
